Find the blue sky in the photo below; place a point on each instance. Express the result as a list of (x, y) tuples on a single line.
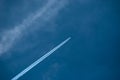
[(31, 28)]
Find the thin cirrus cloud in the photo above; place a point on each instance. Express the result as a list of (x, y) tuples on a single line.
[(47, 12)]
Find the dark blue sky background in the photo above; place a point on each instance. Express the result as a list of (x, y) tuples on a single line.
[(93, 53)]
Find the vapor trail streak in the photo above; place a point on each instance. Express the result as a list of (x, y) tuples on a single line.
[(40, 60), (48, 11)]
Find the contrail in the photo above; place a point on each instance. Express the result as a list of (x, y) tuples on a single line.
[(40, 60), (48, 11)]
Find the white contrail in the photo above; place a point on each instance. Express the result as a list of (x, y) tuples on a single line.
[(48, 11), (40, 60)]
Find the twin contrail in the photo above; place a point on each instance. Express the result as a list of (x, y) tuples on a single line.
[(47, 12), (40, 60)]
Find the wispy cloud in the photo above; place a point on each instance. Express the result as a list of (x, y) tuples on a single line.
[(47, 12)]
